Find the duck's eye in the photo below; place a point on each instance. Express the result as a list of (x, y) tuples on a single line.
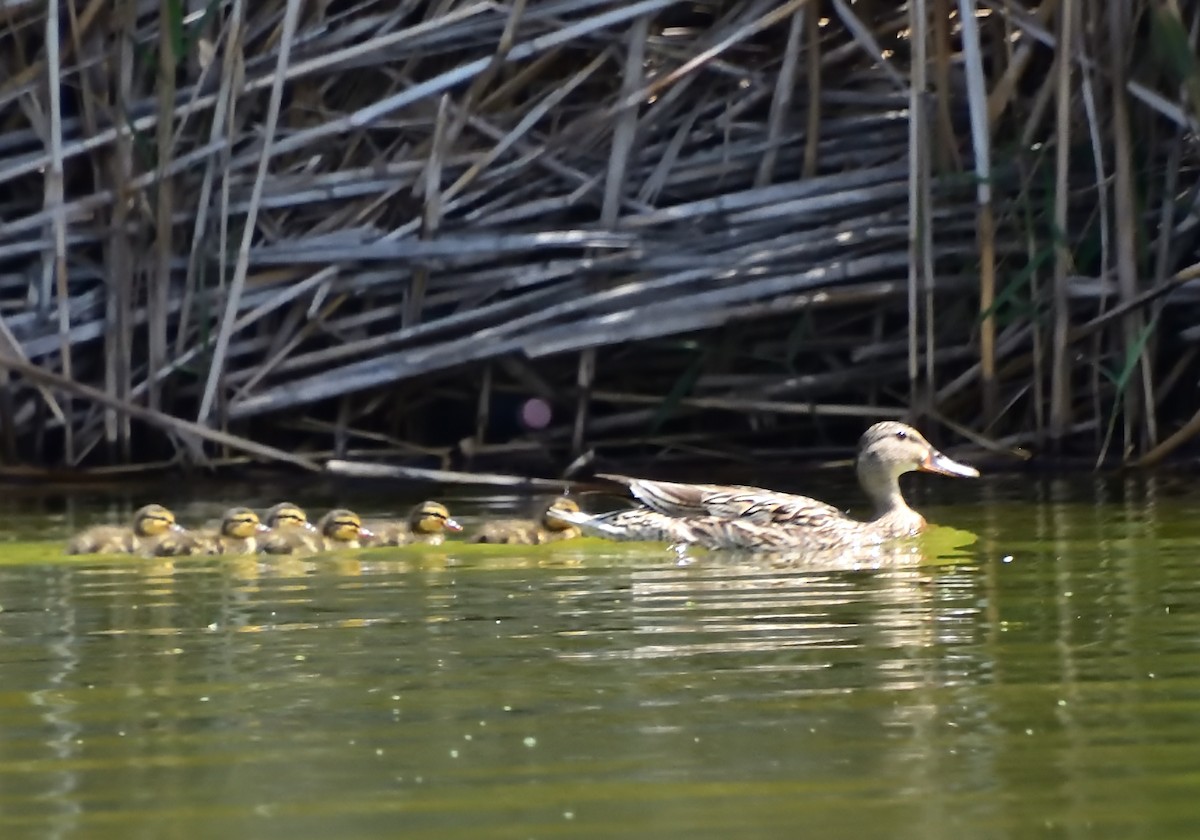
[(901, 434)]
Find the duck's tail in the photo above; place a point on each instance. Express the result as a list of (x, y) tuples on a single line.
[(666, 497), (632, 525), (589, 523)]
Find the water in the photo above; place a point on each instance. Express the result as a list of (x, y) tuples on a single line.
[(1044, 681)]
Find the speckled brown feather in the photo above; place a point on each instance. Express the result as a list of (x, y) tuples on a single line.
[(633, 525), (719, 533)]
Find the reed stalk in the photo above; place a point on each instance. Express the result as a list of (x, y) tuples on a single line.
[(315, 228)]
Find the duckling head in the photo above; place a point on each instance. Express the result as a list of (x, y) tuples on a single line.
[(241, 523), (431, 518), (288, 515), (153, 521), (551, 522), (343, 525)]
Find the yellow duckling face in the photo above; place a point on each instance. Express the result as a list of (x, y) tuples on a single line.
[(431, 518), (241, 523), (343, 525), (154, 520), (288, 515), (896, 448), (550, 522)]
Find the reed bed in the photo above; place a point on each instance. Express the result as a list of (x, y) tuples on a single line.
[(298, 231)]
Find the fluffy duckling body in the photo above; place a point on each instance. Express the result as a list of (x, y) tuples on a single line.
[(548, 528), (149, 523), (237, 534), (338, 529), (287, 515), (426, 523)]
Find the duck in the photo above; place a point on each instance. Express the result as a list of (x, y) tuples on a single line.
[(237, 534), (744, 517), (547, 528), (338, 529), (288, 515), (426, 523), (149, 523)]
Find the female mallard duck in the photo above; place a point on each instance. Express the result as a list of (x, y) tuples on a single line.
[(149, 523), (426, 523), (338, 529), (288, 515), (548, 528), (237, 534), (716, 516)]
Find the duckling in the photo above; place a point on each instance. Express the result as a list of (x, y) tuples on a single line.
[(149, 523), (236, 535), (288, 515), (426, 523), (548, 528), (338, 529)]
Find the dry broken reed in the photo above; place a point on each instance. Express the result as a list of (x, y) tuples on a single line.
[(259, 227)]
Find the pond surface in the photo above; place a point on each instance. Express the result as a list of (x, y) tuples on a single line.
[(1042, 681)]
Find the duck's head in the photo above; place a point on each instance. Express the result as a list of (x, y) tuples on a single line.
[(343, 525), (889, 449), (241, 523), (551, 522), (154, 520), (288, 515), (431, 518)]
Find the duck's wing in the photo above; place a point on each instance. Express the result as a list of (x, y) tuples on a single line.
[(719, 533), (729, 501)]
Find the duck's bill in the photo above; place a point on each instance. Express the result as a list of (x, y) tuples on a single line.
[(936, 462), (451, 525), (366, 533), (308, 526), (175, 526), (261, 528)]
